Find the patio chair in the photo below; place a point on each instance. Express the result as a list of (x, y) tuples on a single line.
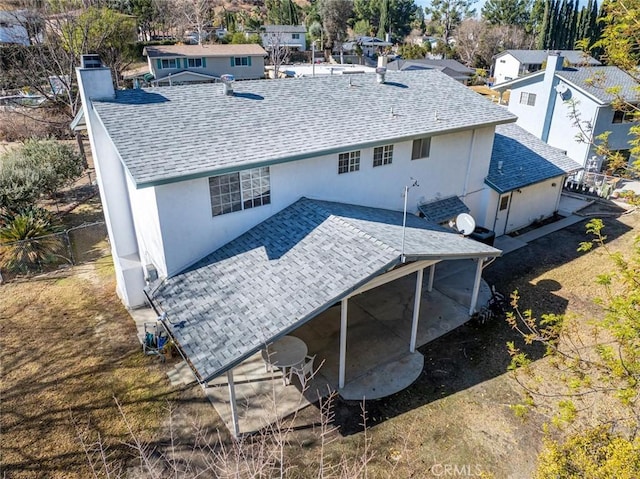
[(304, 371)]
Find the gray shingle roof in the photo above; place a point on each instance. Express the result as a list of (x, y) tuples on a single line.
[(526, 160), (173, 133), (208, 51), (288, 269), (596, 81), (575, 57), (284, 28), (442, 64), (439, 211)]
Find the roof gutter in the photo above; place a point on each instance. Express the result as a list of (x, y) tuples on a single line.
[(308, 155)]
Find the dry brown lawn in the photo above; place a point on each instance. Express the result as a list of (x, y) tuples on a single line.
[(67, 349)]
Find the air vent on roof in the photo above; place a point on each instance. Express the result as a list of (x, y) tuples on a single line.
[(90, 61), (227, 84)]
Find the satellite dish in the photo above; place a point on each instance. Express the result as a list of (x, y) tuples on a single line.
[(562, 88), (465, 223)]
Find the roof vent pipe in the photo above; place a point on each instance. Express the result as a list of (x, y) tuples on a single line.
[(227, 84), (380, 74)]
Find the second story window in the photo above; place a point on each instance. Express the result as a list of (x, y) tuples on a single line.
[(528, 99), (194, 62), (421, 148), (382, 155), (295, 36), (239, 191), (168, 63), (621, 116), (348, 162), (241, 61)]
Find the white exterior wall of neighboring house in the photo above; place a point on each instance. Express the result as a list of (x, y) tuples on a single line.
[(213, 66), (506, 68), (562, 133), (530, 117), (457, 165), (295, 38), (95, 83)]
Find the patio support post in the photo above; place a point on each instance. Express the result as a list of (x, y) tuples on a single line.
[(416, 311), (476, 287), (432, 274), (232, 403), (343, 342)]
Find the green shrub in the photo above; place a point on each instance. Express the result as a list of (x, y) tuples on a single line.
[(38, 167), (27, 240)]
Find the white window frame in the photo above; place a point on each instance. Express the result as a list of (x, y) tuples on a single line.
[(527, 98), (240, 190), (423, 150), (382, 155), (193, 62), (295, 36), (169, 61), (241, 61), (349, 162)]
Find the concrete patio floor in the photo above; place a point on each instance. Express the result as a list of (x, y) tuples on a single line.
[(378, 361)]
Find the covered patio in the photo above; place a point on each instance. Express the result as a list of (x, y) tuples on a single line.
[(362, 290)]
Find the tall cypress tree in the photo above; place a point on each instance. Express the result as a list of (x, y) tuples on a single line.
[(544, 28)]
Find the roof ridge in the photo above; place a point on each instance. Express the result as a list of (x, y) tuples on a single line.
[(342, 220)]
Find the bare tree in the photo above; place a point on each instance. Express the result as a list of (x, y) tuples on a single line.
[(194, 15), (278, 50)]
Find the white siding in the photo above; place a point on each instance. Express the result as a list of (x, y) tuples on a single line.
[(506, 68)]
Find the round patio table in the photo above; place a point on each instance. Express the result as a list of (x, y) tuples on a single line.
[(285, 352)]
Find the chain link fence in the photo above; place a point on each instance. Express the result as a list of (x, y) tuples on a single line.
[(78, 245)]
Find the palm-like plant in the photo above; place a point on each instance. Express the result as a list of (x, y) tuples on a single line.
[(27, 239)]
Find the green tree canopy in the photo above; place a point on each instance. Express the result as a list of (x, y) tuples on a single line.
[(507, 12), (448, 14)]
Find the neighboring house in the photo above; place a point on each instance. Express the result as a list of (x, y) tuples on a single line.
[(290, 36), (543, 103), (452, 68), (13, 27), (242, 211), (370, 46), (511, 64), (180, 64)]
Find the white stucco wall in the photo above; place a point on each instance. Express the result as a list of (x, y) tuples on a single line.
[(149, 236), (189, 231), (96, 84), (534, 203), (531, 118), (506, 68)]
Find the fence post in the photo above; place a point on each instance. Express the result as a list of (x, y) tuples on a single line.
[(66, 234)]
